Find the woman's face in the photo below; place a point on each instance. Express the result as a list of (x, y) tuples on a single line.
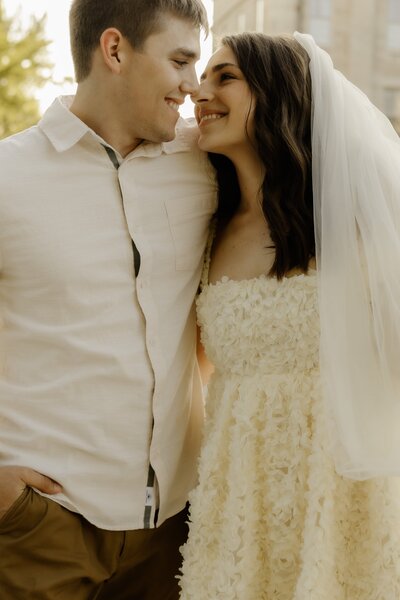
[(224, 106)]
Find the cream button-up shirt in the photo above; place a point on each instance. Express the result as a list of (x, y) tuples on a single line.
[(99, 382)]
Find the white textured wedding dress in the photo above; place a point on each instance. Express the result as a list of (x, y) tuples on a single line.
[(270, 518)]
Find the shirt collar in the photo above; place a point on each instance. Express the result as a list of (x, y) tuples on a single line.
[(61, 126), (186, 134), (64, 130)]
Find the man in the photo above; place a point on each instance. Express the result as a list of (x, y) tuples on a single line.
[(104, 208)]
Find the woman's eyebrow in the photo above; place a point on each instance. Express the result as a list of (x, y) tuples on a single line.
[(217, 68)]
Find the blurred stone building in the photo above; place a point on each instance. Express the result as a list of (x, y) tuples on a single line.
[(362, 37)]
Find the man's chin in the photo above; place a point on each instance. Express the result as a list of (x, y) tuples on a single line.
[(169, 135), (158, 135)]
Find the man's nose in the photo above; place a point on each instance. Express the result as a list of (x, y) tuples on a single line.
[(190, 84)]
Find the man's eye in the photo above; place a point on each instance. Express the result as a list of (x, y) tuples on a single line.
[(181, 63)]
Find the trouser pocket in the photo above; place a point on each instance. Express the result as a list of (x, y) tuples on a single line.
[(49, 553), (16, 508)]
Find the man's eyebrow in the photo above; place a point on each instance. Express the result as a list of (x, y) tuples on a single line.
[(186, 52), (218, 67)]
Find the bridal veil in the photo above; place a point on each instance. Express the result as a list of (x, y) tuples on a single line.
[(356, 187)]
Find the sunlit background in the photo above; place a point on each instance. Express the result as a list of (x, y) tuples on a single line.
[(362, 37)]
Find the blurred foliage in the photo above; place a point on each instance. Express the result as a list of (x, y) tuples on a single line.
[(24, 67)]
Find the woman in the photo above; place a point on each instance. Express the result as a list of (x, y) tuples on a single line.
[(298, 495)]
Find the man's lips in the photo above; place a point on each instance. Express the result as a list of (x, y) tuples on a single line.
[(174, 104)]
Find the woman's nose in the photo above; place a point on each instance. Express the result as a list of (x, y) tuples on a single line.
[(202, 94)]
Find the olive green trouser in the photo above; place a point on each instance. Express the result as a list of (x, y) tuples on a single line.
[(50, 553)]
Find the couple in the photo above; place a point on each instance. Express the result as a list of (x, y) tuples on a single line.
[(106, 210)]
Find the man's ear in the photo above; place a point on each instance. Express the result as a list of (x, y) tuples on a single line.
[(110, 46)]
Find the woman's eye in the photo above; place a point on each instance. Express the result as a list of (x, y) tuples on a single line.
[(226, 76)]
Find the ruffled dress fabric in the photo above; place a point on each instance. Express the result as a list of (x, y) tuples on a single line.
[(271, 519)]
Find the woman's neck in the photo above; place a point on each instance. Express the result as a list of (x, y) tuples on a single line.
[(250, 173)]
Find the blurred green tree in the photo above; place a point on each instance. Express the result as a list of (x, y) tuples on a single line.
[(24, 66)]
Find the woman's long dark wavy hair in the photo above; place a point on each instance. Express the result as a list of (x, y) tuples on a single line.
[(276, 70)]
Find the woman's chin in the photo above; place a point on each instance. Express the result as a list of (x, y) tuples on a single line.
[(206, 144)]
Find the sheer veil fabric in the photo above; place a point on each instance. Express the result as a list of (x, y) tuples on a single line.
[(356, 187)]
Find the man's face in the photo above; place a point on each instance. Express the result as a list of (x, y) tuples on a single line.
[(158, 78)]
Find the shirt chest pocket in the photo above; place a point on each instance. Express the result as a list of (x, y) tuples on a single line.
[(189, 219)]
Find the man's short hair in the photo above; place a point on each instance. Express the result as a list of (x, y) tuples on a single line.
[(135, 19)]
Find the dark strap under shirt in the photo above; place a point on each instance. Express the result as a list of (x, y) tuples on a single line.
[(150, 500), (136, 254)]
